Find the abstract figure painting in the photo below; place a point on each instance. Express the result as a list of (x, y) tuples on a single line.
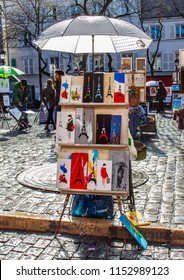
[(120, 170), (92, 169), (65, 127), (63, 173), (76, 89), (65, 89), (104, 175)]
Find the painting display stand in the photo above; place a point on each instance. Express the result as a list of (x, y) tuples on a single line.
[(19, 117)]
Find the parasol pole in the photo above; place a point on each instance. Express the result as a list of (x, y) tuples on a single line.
[(93, 65)]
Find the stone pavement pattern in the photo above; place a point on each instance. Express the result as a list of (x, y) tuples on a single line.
[(160, 200)]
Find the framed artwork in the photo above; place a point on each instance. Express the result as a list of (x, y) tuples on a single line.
[(6, 100), (139, 80), (140, 64), (169, 91), (126, 64), (153, 91)]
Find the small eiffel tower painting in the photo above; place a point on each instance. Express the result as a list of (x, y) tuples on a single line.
[(109, 87), (84, 125)]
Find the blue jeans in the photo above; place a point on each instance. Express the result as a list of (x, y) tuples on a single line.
[(21, 109)]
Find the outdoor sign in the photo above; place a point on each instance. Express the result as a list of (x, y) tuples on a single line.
[(177, 99), (134, 231)]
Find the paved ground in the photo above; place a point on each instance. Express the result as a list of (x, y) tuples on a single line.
[(160, 199)]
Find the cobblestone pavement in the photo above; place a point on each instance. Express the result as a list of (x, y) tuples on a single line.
[(160, 199)]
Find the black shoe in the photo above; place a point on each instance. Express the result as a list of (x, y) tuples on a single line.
[(29, 125)]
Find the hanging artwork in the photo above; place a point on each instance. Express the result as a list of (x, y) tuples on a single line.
[(92, 169), (63, 173), (98, 88), (88, 88), (84, 125), (139, 80), (65, 89), (104, 175), (115, 129), (119, 87), (126, 64), (65, 127), (140, 64), (103, 129), (76, 89), (109, 87), (79, 169), (120, 170)]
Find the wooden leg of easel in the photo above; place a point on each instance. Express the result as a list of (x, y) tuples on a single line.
[(64, 207), (119, 204)]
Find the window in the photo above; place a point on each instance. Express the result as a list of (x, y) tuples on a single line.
[(179, 31), (13, 62), (55, 61), (158, 63), (155, 32), (28, 65)]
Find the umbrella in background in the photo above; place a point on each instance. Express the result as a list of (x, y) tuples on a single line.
[(93, 34), (152, 84), (7, 71)]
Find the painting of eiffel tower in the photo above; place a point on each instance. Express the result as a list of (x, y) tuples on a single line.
[(78, 179), (84, 125)]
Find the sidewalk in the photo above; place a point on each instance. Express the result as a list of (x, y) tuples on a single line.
[(160, 199)]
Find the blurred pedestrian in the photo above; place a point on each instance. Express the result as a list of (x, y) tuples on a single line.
[(161, 95), (57, 86), (48, 97), (21, 91)]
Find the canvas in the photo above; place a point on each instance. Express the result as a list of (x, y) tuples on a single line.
[(104, 175), (109, 87), (84, 118), (63, 173), (65, 89), (140, 64), (126, 64), (88, 88), (115, 129), (136, 218), (98, 88), (119, 88), (120, 170), (103, 129), (79, 169), (65, 131), (92, 170), (76, 89)]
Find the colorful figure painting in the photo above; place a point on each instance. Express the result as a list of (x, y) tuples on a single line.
[(76, 89), (65, 89), (104, 175), (63, 173), (65, 127), (92, 169)]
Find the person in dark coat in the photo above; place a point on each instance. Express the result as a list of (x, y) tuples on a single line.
[(57, 86), (161, 94), (48, 97)]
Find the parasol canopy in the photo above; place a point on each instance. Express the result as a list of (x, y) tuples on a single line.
[(8, 71), (152, 84)]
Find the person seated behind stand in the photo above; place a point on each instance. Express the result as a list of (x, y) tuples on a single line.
[(137, 117), (57, 86), (21, 91), (48, 97)]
